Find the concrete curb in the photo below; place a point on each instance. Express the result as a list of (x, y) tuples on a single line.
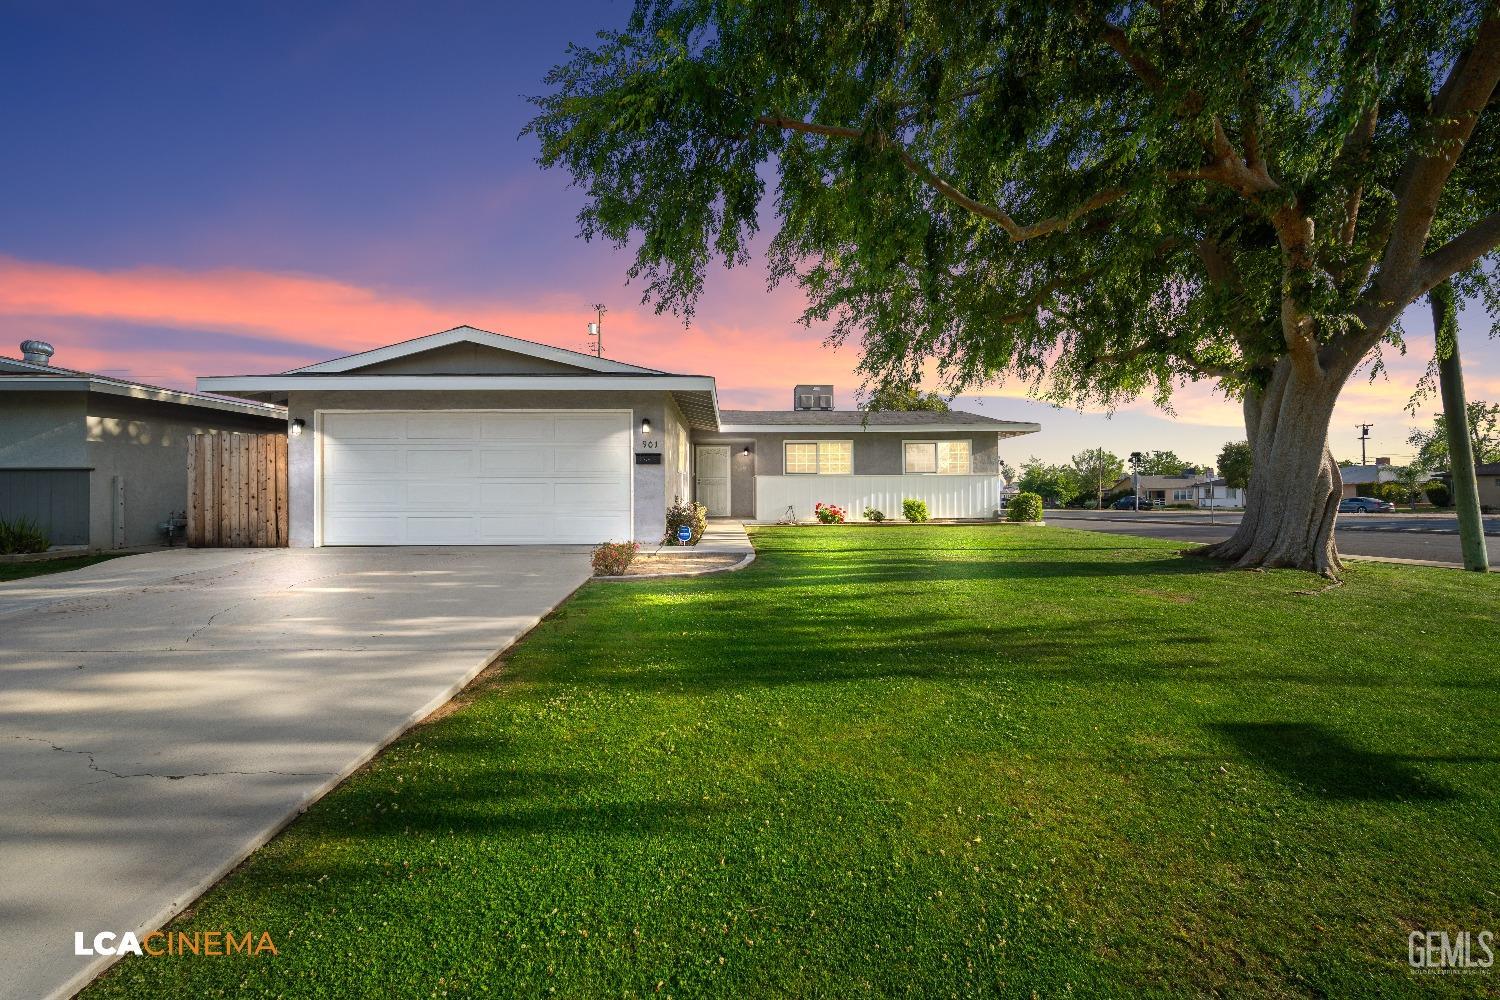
[(164, 915), (1429, 563), (746, 561)]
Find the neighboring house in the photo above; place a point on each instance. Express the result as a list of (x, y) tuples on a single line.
[(1359, 478), (1217, 493), (1168, 489), (469, 437), (102, 461), (1489, 486)]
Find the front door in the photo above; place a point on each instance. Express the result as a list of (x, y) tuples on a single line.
[(712, 482)]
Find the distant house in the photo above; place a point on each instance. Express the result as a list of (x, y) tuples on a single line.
[(1167, 489), (1489, 485), (1217, 493), (1359, 478), (101, 461)]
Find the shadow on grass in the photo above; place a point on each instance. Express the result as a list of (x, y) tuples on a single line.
[(1325, 764)]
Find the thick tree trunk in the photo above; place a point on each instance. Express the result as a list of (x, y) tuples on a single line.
[(1295, 486)]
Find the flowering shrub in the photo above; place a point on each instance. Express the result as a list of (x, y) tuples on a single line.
[(914, 509), (829, 513), (613, 558), (694, 515), (874, 514)]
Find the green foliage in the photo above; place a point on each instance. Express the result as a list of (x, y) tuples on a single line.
[(22, 535), (614, 558), (874, 514), (1438, 494), (828, 513), (914, 510), (1236, 459), (905, 398), (1484, 435), (1096, 470), (1164, 463), (1392, 492), (694, 515), (1025, 507), (1057, 484), (1056, 195)]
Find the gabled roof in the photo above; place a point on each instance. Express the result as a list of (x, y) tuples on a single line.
[(1364, 475), (472, 335), (893, 421), (17, 375)]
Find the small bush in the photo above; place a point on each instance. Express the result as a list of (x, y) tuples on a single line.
[(871, 514), (1026, 507), (829, 513), (22, 535), (613, 558), (914, 510), (694, 515), (1438, 495)]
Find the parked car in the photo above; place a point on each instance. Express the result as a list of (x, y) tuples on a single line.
[(1128, 503), (1365, 505)]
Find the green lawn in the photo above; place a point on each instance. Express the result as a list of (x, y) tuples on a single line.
[(916, 761), (41, 567)]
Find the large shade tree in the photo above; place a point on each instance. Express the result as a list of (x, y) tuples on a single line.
[(1101, 201)]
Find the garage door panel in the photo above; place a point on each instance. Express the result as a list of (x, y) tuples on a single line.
[(475, 478), (533, 427), (522, 495), (442, 427), (361, 460), (521, 460)]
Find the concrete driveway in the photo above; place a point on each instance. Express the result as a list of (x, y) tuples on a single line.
[(162, 715)]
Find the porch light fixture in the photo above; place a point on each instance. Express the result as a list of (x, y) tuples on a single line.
[(746, 452), (645, 425), (297, 426)]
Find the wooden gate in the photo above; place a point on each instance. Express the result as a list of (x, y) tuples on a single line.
[(237, 490)]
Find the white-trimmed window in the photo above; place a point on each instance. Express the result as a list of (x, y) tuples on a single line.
[(936, 458), (818, 458)]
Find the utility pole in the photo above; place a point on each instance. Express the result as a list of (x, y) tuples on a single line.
[(1364, 435), (596, 329), (1456, 417), (1135, 476)]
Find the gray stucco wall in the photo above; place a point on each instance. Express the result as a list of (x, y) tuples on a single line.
[(876, 453), (145, 443), (650, 481), (42, 430), (470, 359)]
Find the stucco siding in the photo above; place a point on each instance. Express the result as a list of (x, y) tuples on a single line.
[(43, 430), (649, 482), (469, 359)]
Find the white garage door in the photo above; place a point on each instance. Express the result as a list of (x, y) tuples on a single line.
[(475, 477)]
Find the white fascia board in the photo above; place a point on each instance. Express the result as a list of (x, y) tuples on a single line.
[(1009, 427), (146, 392), (291, 382), (472, 335)]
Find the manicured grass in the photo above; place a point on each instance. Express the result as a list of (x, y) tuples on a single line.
[(23, 570), (909, 761)]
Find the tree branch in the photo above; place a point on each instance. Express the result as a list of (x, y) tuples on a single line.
[(928, 176), (1458, 253)]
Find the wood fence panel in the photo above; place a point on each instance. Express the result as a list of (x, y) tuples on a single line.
[(237, 490)]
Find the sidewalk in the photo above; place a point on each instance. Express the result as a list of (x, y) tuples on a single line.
[(722, 536)]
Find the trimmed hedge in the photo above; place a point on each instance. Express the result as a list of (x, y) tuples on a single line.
[(914, 510), (1025, 507)]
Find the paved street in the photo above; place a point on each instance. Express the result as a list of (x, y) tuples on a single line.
[(1390, 536)]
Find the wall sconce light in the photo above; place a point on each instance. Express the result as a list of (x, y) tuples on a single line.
[(297, 426), (746, 452), (645, 425)]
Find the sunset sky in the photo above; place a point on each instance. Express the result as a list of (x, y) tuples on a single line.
[(200, 189)]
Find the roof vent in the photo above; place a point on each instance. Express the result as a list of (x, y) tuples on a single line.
[(812, 397), (38, 352)]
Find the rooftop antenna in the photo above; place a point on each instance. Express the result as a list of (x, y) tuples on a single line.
[(596, 329), (1364, 436)]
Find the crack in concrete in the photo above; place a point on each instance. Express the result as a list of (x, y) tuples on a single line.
[(95, 766)]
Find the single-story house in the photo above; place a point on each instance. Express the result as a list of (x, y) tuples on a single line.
[(1216, 493), (1359, 478), (470, 437), (102, 461), (1168, 489), (1489, 486)]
